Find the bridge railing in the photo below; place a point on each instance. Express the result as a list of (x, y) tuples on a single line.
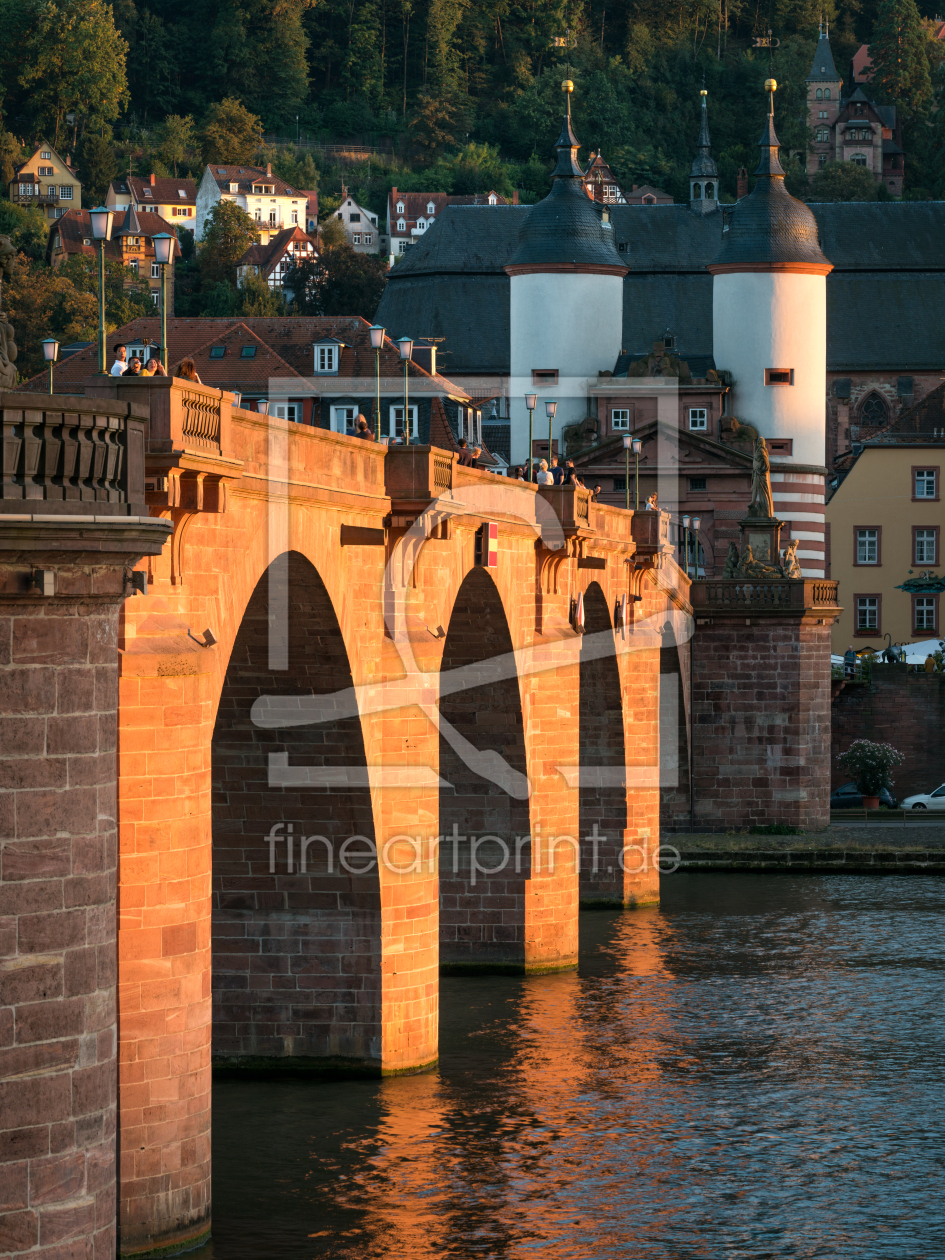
[(63, 451), (763, 595), (184, 416)]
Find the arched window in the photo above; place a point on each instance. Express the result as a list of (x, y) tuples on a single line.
[(819, 94), (826, 94), (858, 159), (709, 191), (696, 192), (874, 410)]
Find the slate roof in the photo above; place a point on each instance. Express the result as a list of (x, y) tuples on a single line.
[(923, 422), (887, 256), (823, 70)]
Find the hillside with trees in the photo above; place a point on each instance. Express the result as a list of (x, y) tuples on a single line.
[(444, 95)]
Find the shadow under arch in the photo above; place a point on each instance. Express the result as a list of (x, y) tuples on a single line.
[(482, 884), (602, 800), (296, 936)]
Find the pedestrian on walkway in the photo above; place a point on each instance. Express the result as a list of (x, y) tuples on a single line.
[(557, 473), (849, 662), (544, 477), (133, 368), (121, 361), (186, 370), (361, 429)]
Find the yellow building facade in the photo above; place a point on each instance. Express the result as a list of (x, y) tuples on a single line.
[(47, 182), (885, 526)]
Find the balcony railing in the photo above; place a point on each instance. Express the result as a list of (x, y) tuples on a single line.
[(36, 198)]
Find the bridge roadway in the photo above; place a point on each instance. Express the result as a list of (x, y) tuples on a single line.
[(337, 639)]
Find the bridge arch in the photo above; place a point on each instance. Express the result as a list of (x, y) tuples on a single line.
[(296, 909), (602, 793), (485, 852)]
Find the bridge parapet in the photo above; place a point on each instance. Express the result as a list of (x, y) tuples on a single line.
[(68, 455), (769, 596)]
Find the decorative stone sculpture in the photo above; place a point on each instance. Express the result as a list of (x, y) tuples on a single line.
[(731, 562), (789, 562), (749, 567), (762, 502), (7, 344)]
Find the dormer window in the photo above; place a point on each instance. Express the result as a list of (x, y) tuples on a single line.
[(234, 187), (401, 225), (326, 357), (431, 208), (492, 199), (400, 207)]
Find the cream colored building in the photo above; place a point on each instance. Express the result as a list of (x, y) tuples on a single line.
[(47, 182), (885, 527), (173, 199)]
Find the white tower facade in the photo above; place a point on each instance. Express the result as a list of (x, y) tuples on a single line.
[(769, 309), (566, 301)]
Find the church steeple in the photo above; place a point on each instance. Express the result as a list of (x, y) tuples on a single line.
[(704, 174)]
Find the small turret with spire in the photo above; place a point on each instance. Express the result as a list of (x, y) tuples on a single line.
[(704, 174)]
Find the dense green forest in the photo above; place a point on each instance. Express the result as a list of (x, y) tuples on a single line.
[(449, 95), (460, 94)]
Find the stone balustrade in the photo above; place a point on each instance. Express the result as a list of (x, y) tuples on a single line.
[(772, 595)]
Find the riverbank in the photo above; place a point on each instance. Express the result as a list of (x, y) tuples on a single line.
[(857, 848)]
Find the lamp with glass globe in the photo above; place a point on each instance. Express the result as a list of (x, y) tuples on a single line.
[(101, 219)]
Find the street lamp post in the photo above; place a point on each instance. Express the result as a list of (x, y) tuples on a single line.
[(531, 402), (637, 448), (163, 252), (627, 444), (550, 408), (377, 341), (685, 524), (405, 346), (696, 522), (50, 354), (101, 219)]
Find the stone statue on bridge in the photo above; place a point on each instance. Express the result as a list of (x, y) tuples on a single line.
[(790, 565), (762, 502), (7, 344)]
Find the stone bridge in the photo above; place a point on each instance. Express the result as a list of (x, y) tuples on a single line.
[(377, 715)]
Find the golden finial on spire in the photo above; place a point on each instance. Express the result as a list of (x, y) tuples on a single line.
[(567, 86)]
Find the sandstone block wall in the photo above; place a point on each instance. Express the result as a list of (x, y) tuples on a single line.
[(898, 708), (58, 856)]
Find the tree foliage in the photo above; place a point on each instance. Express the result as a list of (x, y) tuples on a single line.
[(229, 133), (899, 51), (73, 61), (843, 181), (97, 166), (338, 282), (227, 235)]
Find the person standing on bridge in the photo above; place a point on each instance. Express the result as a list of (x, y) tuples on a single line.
[(361, 429), (121, 361), (544, 477), (186, 370)]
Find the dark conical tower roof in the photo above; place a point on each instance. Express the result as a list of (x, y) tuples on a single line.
[(823, 70), (567, 230), (131, 226), (770, 226), (703, 164)]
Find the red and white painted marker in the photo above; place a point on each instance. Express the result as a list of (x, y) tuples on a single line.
[(487, 545)]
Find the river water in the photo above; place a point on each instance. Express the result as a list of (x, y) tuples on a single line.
[(755, 1069)]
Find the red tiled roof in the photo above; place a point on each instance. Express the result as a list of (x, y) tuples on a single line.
[(415, 205), (75, 227), (246, 176), (287, 342), (163, 191)]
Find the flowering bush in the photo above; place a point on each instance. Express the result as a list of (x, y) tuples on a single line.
[(870, 765)]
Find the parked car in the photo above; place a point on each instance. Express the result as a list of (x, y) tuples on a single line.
[(926, 800), (848, 797)]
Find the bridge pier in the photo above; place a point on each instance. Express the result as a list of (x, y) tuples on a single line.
[(72, 526)]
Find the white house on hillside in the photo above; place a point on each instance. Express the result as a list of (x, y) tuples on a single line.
[(264, 196), (359, 224)]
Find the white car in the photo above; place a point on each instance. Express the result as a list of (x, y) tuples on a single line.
[(926, 800)]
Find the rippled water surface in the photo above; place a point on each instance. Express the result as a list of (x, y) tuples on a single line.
[(754, 1069)]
